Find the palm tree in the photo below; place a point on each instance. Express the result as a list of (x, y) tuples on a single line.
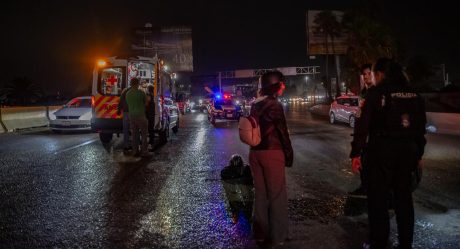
[(330, 28), (21, 91), (367, 40)]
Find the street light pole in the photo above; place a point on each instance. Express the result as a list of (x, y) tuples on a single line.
[(220, 82)]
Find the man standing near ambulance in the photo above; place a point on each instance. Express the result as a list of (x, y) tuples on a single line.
[(137, 101)]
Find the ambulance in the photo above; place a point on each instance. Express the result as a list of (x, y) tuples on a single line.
[(111, 76)]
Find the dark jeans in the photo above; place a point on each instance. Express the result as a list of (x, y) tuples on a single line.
[(126, 141), (139, 125), (389, 167), (363, 174)]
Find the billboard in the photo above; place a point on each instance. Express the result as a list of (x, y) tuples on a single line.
[(317, 36), (172, 44)]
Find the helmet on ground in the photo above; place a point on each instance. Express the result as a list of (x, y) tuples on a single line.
[(236, 161)]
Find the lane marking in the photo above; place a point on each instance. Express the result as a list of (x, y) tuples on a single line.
[(77, 146)]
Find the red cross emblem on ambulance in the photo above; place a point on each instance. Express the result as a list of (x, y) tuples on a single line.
[(112, 80)]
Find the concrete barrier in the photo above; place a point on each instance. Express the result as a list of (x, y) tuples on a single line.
[(15, 118), (443, 123), (437, 122), (2, 126)]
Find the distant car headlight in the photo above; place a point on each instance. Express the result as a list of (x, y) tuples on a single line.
[(200, 101), (86, 116)]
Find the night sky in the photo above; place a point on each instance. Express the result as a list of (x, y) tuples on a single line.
[(55, 43)]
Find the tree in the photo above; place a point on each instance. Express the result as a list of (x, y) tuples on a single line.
[(21, 91), (329, 27), (367, 41)]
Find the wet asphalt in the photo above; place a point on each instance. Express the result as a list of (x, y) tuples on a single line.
[(70, 191)]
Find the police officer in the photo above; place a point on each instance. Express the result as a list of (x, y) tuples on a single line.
[(393, 124), (367, 83)]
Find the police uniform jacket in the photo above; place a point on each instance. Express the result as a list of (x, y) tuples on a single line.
[(390, 111)]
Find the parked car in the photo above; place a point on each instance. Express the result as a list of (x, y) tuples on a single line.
[(344, 109), (183, 103), (204, 102), (74, 116), (170, 112)]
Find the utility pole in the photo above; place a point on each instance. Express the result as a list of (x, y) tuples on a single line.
[(220, 82)]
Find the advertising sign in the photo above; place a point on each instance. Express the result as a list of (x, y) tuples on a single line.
[(172, 44)]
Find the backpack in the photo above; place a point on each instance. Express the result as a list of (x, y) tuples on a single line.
[(249, 131)]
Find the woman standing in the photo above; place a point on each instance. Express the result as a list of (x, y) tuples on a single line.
[(268, 161)]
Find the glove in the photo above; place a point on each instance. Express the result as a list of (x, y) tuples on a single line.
[(356, 164)]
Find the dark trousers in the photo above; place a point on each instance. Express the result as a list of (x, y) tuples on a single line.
[(389, 167), (363, 171), (151, 128)]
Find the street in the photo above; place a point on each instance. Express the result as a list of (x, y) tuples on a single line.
[(70, 191)]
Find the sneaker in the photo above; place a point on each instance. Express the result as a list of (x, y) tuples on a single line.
[(358, 193)]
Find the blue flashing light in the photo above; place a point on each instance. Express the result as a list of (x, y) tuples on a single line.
[(218, 96)]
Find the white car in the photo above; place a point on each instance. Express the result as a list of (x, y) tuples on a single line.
[(344, 109), (73, 116)]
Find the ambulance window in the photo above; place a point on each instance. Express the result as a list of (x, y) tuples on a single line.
[(111, 80)]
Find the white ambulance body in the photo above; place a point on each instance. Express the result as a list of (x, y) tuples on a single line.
[(110, 77)]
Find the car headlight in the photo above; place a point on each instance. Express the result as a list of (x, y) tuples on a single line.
[(200, 101), (86, 116)]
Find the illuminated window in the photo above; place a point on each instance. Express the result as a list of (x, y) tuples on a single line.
[(111, 81)]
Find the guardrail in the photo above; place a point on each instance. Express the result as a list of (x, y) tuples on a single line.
[(16, 118), (2, 126)]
